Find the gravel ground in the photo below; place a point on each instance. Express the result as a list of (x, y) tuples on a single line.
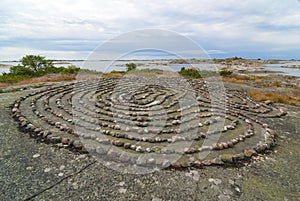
[(36, 171)]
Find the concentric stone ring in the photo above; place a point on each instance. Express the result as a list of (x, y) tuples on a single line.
[(149, 127)]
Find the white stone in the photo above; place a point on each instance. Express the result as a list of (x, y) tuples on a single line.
[(122, 190), (36, 155)]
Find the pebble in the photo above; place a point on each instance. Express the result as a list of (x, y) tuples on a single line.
[(197, 163), (47, 170), (118, 143), (249, 152), (122, 183), (75, 185), (176, 164), (237, 189), (140, 149), (60, 174), (77, 144), (122, 190), (36, 155)]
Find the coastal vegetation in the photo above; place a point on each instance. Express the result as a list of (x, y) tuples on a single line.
[(198, 74), (35, 66), (130, 66), (291, 98)]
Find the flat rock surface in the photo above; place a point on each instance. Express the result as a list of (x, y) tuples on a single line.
[(30, 170)]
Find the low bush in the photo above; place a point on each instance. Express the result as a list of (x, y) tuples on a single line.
[(225, 72), (195, 73), (20, 73)]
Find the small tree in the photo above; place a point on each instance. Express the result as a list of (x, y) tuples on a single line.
[(130, 66), (36, 62)]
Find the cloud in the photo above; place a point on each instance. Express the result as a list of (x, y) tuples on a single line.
[(230, 26), (15, 53)]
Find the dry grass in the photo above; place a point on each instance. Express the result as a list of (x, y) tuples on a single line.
[(4, 84), (236, 78), (112, 75), (277, 97), (233, 80), (54, 78), (51, 78), (276, 83)]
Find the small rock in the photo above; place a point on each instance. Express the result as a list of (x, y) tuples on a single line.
[(206, 162), (53, 138), (122, 190), (112, 153), (249, 152), (166, 163), (65, 140), (151, 161), (122, 183), (77, 144), (124, 157), (75, 185), (47, 170), (140, 149), (101, 150), (217, 161), (141, 161), (237, 189), (176, 164), (118, 143), (197, 163), (268, 102), (36, 155), (127, 145), (60, 174)]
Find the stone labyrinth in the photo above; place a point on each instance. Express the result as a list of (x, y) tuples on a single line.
[(142, 121)]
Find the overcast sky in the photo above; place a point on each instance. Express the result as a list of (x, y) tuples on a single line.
[(68, 29)]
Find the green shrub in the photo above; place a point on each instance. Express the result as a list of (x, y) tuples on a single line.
[(195, 73), (20, 70), (225, 72), (130, 66)]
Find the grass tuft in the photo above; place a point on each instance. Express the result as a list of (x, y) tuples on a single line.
[(277, 97)]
